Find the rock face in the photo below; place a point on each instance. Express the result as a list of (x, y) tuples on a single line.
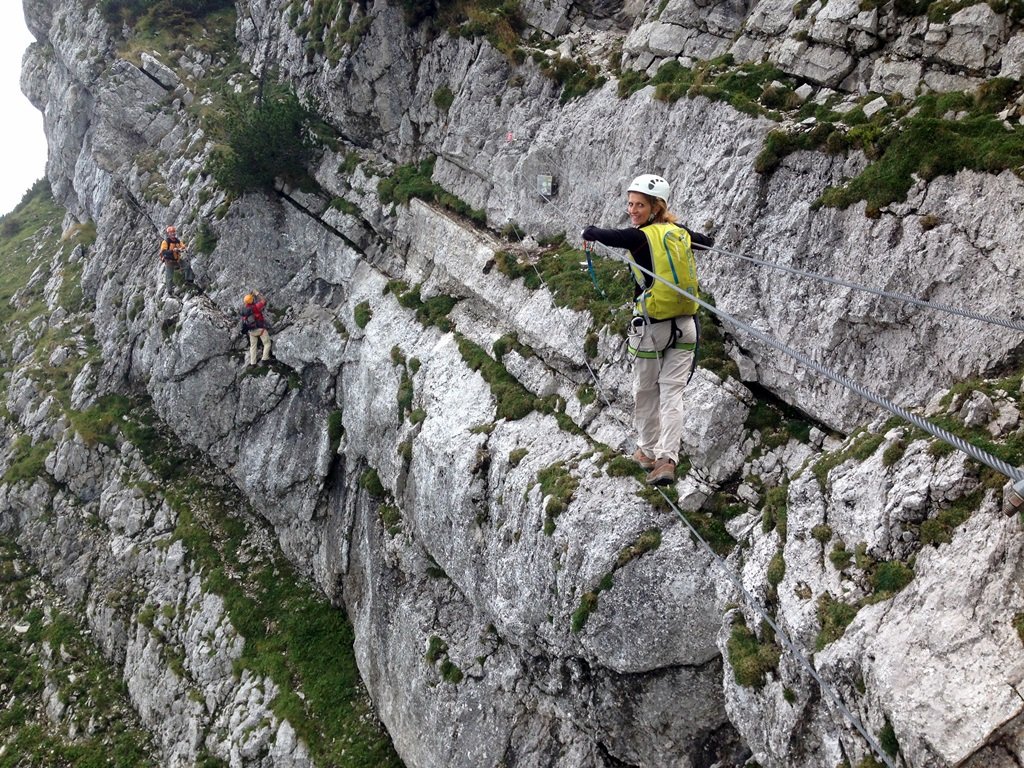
[(517, 597)]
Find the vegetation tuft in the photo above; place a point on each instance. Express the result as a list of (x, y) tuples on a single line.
[(750, 658), (646, 542), (264, 140), (409, 181)]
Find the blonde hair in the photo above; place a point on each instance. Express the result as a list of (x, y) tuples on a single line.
[(660, 211)]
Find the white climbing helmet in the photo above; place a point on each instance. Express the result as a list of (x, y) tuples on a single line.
[(649, 184)]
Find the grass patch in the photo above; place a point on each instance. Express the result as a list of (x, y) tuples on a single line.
[(711, 351), (559, 267), (76, 673), (514, 401), (834, 617), (370, 482), (433, 311), (362, 314), (291, 635), (775, 511), (746, 87), (576, 76), (326, 29), (28, 461), (1018, 624), (750, 658), (557, 485), (939, 529), (444, 98), (516, 455), (437, 651), (777, 422), (414, 180), (860, 447)]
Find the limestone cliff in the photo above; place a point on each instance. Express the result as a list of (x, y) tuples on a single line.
[(436, 451)]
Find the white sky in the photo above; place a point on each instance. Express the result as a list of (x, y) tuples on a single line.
[(23, 144)]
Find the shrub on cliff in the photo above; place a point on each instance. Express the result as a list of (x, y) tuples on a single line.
[(263, 141)]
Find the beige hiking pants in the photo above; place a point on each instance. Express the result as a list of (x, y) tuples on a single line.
[(658, 384), (261, 334)]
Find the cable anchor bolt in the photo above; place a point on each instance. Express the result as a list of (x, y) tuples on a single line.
[(1013, 497)]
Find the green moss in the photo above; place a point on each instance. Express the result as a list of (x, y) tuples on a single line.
[(822, 533), (751, 660), (774, 512), (887, 739), (890, 577), (558, 265), (370, 482), (860, 448), (777, 422), (646, 542), (840, 556), (928, 144), (834, 617), (586, 395), (28, 461), (437, 651), (362, 313), (391, 518), (205, 240), (894, 453), (443, 98), (335, 430), (516, 455), (576, 76), (514, 401), (712, 354), (1018, 624), (776, 569), (588, 604), (76, 674), (939, 529), (405, 395), (557, 485), (414, 180), (500, 22)]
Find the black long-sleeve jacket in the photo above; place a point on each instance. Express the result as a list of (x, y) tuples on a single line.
[(635, 241)]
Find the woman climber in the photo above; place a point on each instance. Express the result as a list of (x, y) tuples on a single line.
[(663, 333)]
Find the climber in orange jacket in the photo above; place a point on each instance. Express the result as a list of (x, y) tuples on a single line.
[(172, 257)]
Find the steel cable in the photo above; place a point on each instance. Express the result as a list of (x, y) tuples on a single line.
[(906, 298), (954, 440), (790, 645)]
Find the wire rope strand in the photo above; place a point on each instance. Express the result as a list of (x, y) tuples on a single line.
[(794, 649), (954, 440), (906, 298)]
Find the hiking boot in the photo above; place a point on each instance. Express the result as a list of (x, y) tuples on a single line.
[(664, 473), (645, 461)]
